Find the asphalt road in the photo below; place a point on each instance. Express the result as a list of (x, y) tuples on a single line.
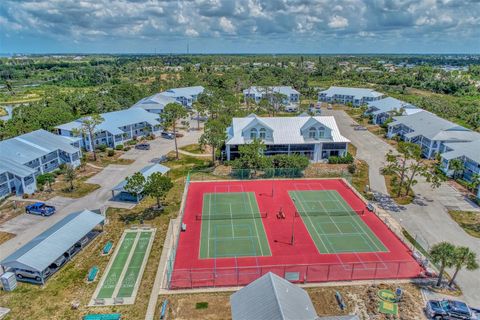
[(427, 217)]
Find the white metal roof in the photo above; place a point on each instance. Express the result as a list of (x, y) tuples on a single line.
[(286, 130), (431, 126), (357, 93), (44, 249), (470, 150), (146, 172), (113, 121), (272, 298), (183, 92), (389, 104), (155, 102), (30, 146), (18, 169), (286, 90)]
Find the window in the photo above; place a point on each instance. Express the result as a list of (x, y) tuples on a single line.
[(321, 132), (253, 133), (312, 133), (263, 133)]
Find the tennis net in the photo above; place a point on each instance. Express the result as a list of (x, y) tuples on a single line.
[(231, 216), (329, 213)]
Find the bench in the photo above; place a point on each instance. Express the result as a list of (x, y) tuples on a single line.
[(92, 274), (107, 248)]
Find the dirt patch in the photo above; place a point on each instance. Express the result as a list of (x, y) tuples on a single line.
[(360, 300), (468, 220), (10, 209), (5, 236)]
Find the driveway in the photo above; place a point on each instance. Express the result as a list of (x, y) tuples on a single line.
[(27, 227), (427, 217)]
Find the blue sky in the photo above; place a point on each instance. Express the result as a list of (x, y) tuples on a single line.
[(240, 26)]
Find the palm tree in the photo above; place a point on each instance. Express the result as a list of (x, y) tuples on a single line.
[(443, 254), (456, 165), (463, 257)]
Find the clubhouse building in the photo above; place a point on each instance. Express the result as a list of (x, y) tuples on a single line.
[(317, 138)]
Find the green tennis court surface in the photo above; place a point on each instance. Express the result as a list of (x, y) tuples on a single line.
[(232, 226), (123, 274), (332, 224)]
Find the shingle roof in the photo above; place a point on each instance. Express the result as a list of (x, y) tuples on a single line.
[(183, 92), (44, 249), (430, 126), (116, 119), (470, 150), (358, 93), (146, 172), (389, 104), (30, 146), (286, 130), (155, 102), (272, 298)]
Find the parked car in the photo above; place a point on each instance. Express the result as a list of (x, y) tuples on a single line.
[(449, 309), (40, 208), (143, 146), (22, 273), (359, 128), (167, 135)]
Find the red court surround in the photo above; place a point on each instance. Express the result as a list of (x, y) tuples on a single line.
[(302, 259)]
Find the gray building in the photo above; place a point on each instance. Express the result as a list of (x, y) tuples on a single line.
[(155, 103), (48, 252), (271, 297), (383, 109), (117, 128), (186, 96), (429, 131), (25, 157), (291, 96), (345, 95)]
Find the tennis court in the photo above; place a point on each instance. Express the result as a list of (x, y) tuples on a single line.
[(333, 225), (231, 225), (305, 230), (120, 282)]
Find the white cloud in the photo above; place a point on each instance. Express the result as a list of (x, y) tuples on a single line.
[(338, 22), (227, 25)]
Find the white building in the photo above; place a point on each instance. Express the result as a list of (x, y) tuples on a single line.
[(381, 110), (291, 95), (186, 96), (155, 103), (25, 157), (344, 95), (429, 131), (117, 128), (315, 137)]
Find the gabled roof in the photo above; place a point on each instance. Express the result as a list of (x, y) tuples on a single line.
[(115, 120), (155, 102), (44, 249), (256, 121), (146, 172), (311, 122), (429, 125), (272, 298), (389, 104), (285, 90), (357, 93), (30, 146), (470, 150), (18, 169), (285, 130), (183, 92)]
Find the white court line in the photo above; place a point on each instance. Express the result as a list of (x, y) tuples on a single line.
[(313, 225), (209, 221), (231, 220), (255, 223)]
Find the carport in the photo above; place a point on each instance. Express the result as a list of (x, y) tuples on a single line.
[(49, 251), (120, 194)]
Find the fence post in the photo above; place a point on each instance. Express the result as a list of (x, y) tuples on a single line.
[(328, 272), (353, 268)]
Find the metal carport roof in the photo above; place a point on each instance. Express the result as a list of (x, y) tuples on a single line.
[(44, 249)]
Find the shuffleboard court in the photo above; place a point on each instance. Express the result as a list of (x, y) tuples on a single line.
[(232, 226), (123, 274), (332, 224)]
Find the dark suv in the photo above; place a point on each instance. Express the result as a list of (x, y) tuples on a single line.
[(143, 146), (449, 309)]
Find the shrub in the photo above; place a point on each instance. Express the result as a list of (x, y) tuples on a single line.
[(131, 142), (119, 147), (110, 152), (126, 148), (348, 158), (101, 147), (352, 168)]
